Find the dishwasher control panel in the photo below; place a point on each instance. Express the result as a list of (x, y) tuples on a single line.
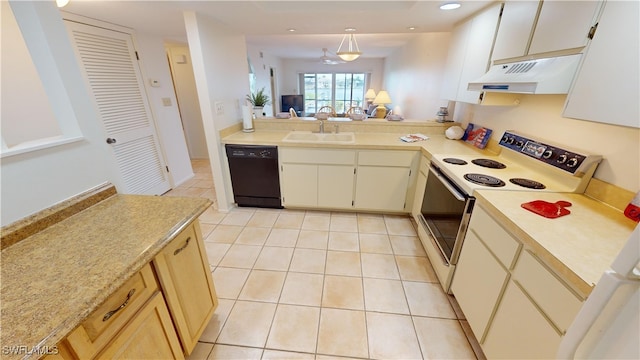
[(252, 152)]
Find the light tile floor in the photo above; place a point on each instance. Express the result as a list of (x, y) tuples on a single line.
[(322, 285)]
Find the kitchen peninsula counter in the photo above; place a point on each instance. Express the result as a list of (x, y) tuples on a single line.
[(436, 144), (52, 280), (579, 246)]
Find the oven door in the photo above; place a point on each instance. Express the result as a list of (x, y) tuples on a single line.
[(446, 211)]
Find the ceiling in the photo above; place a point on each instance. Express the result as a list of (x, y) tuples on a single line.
[(381, 26)]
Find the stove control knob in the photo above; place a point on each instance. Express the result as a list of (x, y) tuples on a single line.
[(505, 138), (547, 154), (519, 143), (510, 141), (572, 162), (562, 158)]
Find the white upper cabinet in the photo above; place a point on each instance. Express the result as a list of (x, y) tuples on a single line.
[(516, 25), (563, 25), (537, 27), (606, 88), (470, 54)]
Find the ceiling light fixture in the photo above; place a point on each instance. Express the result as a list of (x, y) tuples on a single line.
[(450, 6), (291, 30), (61, 3), (352, 52)]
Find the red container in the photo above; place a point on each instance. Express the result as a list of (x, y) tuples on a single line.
[(633, 209)]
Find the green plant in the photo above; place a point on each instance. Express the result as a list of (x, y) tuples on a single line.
[(259, 98)]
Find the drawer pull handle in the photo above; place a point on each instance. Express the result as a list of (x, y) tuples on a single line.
[(183, 247), (108, 315)]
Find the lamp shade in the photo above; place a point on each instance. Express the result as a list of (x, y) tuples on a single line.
[(382, 98), (370, 94), (352, 52)]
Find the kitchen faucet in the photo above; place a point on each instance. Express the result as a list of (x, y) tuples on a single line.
[(321, 127)]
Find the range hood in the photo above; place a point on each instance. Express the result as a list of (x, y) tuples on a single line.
[(539, 76)]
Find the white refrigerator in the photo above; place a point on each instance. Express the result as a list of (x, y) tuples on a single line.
[(608, 324)]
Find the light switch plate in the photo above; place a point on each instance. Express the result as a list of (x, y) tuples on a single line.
[(166, 101), (219, 108)]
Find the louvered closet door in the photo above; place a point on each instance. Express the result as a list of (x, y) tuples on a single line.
[(109, 64)]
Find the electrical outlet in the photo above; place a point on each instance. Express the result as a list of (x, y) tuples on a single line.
[(219, 108), (166, 101)]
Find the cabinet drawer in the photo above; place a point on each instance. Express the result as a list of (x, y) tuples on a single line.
[(503, 246), (317, 156), (98, 329), (550, 293), (386, 158)]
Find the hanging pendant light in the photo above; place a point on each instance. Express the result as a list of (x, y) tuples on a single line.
[(352, 52)]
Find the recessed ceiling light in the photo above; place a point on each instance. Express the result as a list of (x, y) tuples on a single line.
[(411, 28), (350, 29), (62, 3), (449, 6), (291, 30)]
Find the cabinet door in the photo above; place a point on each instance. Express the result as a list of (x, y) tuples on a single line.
[(185, 277), (335, 186), (563, 25), (478, 53), (606, 88), (519, 330), (150, 335), (421, 183), (478, 283), (455, 60), (381, 188), (516, 26), (299, 184)]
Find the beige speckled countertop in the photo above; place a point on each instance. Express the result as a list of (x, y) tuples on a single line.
[(579, 246), (52, 280)]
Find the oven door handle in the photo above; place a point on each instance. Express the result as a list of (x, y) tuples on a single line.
[(445, 181)]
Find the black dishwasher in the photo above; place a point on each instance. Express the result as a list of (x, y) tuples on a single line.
[(254, 175)]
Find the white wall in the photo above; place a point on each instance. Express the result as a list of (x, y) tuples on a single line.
[(39, 179), (262, 63), (222, 78), (185, 85), (540, 116), (413, 75), (155, 66)]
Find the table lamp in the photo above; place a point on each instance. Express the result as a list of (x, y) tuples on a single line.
[(381, 100), (370, 95)]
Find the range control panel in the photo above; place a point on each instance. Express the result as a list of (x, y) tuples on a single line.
[(562, 159)]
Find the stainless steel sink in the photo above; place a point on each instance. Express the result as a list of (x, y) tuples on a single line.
[(311, 137)]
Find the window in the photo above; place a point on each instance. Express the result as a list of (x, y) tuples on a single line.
[(338, 90)]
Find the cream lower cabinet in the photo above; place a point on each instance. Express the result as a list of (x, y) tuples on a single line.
[(382, 180), (519, 330), (317, 177), (516, 306), (421, 182), (186, 281), (478, 283)]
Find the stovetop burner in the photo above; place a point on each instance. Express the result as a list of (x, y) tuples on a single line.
[(531, 184), (482, 179), (488, 163), (455, 161)]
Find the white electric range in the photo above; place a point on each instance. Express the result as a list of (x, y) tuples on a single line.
[(524, 164)]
